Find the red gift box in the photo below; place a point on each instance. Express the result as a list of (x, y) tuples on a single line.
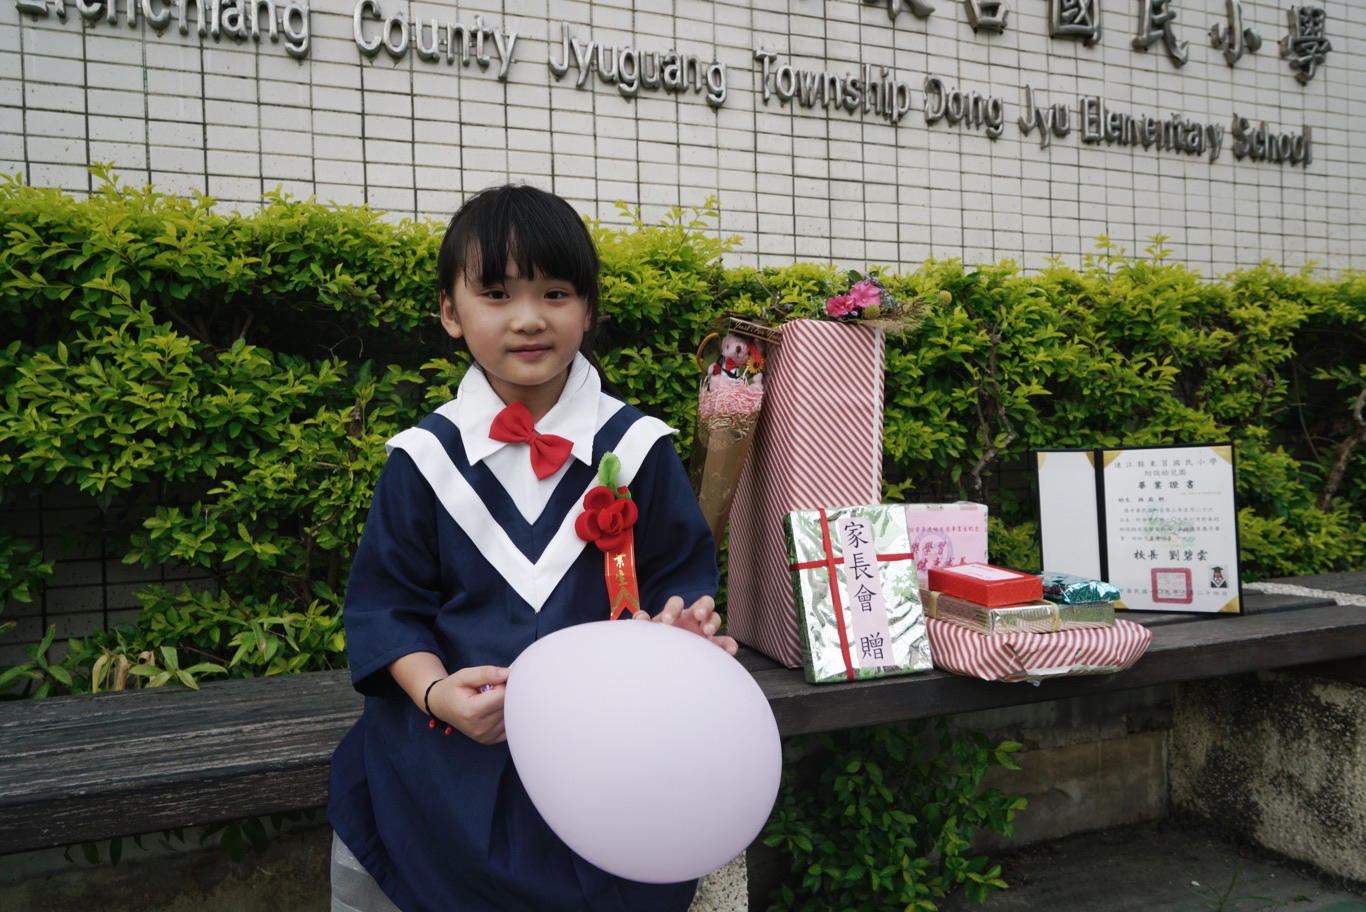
[(987, 585), (818, 444)]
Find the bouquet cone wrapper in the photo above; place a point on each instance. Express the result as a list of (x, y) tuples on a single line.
[(820, 444), (1034, 657), (857, 596), (729, 399)]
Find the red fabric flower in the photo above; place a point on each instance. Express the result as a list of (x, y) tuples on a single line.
[(606, 519)]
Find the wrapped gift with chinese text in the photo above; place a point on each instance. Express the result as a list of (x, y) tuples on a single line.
[(856, 593), (819, 443), (1041, 616)]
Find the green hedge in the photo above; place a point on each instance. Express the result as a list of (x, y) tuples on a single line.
[(221, 386)]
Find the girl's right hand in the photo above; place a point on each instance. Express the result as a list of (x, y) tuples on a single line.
[(471, 701)]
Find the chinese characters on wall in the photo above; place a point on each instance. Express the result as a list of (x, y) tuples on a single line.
[(1231, 36), (1306, 46)]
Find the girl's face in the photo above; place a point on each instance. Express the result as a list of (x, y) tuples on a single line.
[(524, 332)]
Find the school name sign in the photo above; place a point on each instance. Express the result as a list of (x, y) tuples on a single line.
[(864, 90)]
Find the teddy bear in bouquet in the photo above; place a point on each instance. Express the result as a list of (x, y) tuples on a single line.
[(740, 359)]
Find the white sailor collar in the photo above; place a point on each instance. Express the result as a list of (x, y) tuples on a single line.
[(516, 545), (574, 416)]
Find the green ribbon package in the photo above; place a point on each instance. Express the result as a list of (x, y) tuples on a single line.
[(856, 592)]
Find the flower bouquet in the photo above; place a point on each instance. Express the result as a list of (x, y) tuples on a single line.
[(729, 397), (868, 302)]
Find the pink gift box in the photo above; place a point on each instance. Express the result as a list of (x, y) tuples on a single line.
[(946, 535)]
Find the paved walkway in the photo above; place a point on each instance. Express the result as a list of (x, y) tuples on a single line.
[(1159, 866), (1342, 598)]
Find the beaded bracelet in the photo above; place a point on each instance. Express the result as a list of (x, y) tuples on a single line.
[(431, 719)]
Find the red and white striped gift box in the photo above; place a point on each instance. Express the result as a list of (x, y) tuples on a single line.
[(818, 444), (1034, 656)]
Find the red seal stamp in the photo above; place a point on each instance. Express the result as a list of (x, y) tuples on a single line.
[(1172, 586)]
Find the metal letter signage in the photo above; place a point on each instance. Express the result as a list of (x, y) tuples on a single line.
[(1307, 44), (921, 8), (862, 90), (987, 15), (1156, 21), (1232, 37), (1075, 19), (241, 20)]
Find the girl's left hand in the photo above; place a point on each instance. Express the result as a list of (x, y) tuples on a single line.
[(700, 617)]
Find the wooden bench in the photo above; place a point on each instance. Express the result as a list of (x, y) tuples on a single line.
[(79, 769)]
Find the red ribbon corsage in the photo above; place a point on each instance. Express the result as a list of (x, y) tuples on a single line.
[(607, 519)]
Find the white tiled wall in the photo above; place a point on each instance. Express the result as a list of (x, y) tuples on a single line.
[(413, 136)]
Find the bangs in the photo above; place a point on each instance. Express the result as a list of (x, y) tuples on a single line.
[(538, 233)]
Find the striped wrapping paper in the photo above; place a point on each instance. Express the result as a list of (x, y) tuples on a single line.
[(1032, 657), (818, 444)]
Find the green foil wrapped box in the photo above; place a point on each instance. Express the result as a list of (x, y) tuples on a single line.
[(856, 592), (1077, 590)]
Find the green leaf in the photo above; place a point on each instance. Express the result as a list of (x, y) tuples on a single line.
[(231, 842), (608, 468)]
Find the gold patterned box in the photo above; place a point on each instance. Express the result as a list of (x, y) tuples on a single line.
[(856, 593), (1031, 617)]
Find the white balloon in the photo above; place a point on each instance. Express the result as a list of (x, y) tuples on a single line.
[(650, 751)]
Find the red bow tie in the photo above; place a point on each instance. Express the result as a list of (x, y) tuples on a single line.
[(548, 452)]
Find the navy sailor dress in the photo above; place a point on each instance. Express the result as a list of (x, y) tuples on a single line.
[(447, 564)]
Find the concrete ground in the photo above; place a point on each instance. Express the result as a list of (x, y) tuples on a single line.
[(1160, 865)]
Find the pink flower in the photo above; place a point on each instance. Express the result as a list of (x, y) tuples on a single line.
[(840, 305), (865, 294)]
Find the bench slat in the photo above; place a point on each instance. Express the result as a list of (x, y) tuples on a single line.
[(74, 769)]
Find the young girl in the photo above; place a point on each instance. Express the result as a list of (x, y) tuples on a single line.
[(469, 554)]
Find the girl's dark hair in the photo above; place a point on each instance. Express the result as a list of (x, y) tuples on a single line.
[(536, 231)]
